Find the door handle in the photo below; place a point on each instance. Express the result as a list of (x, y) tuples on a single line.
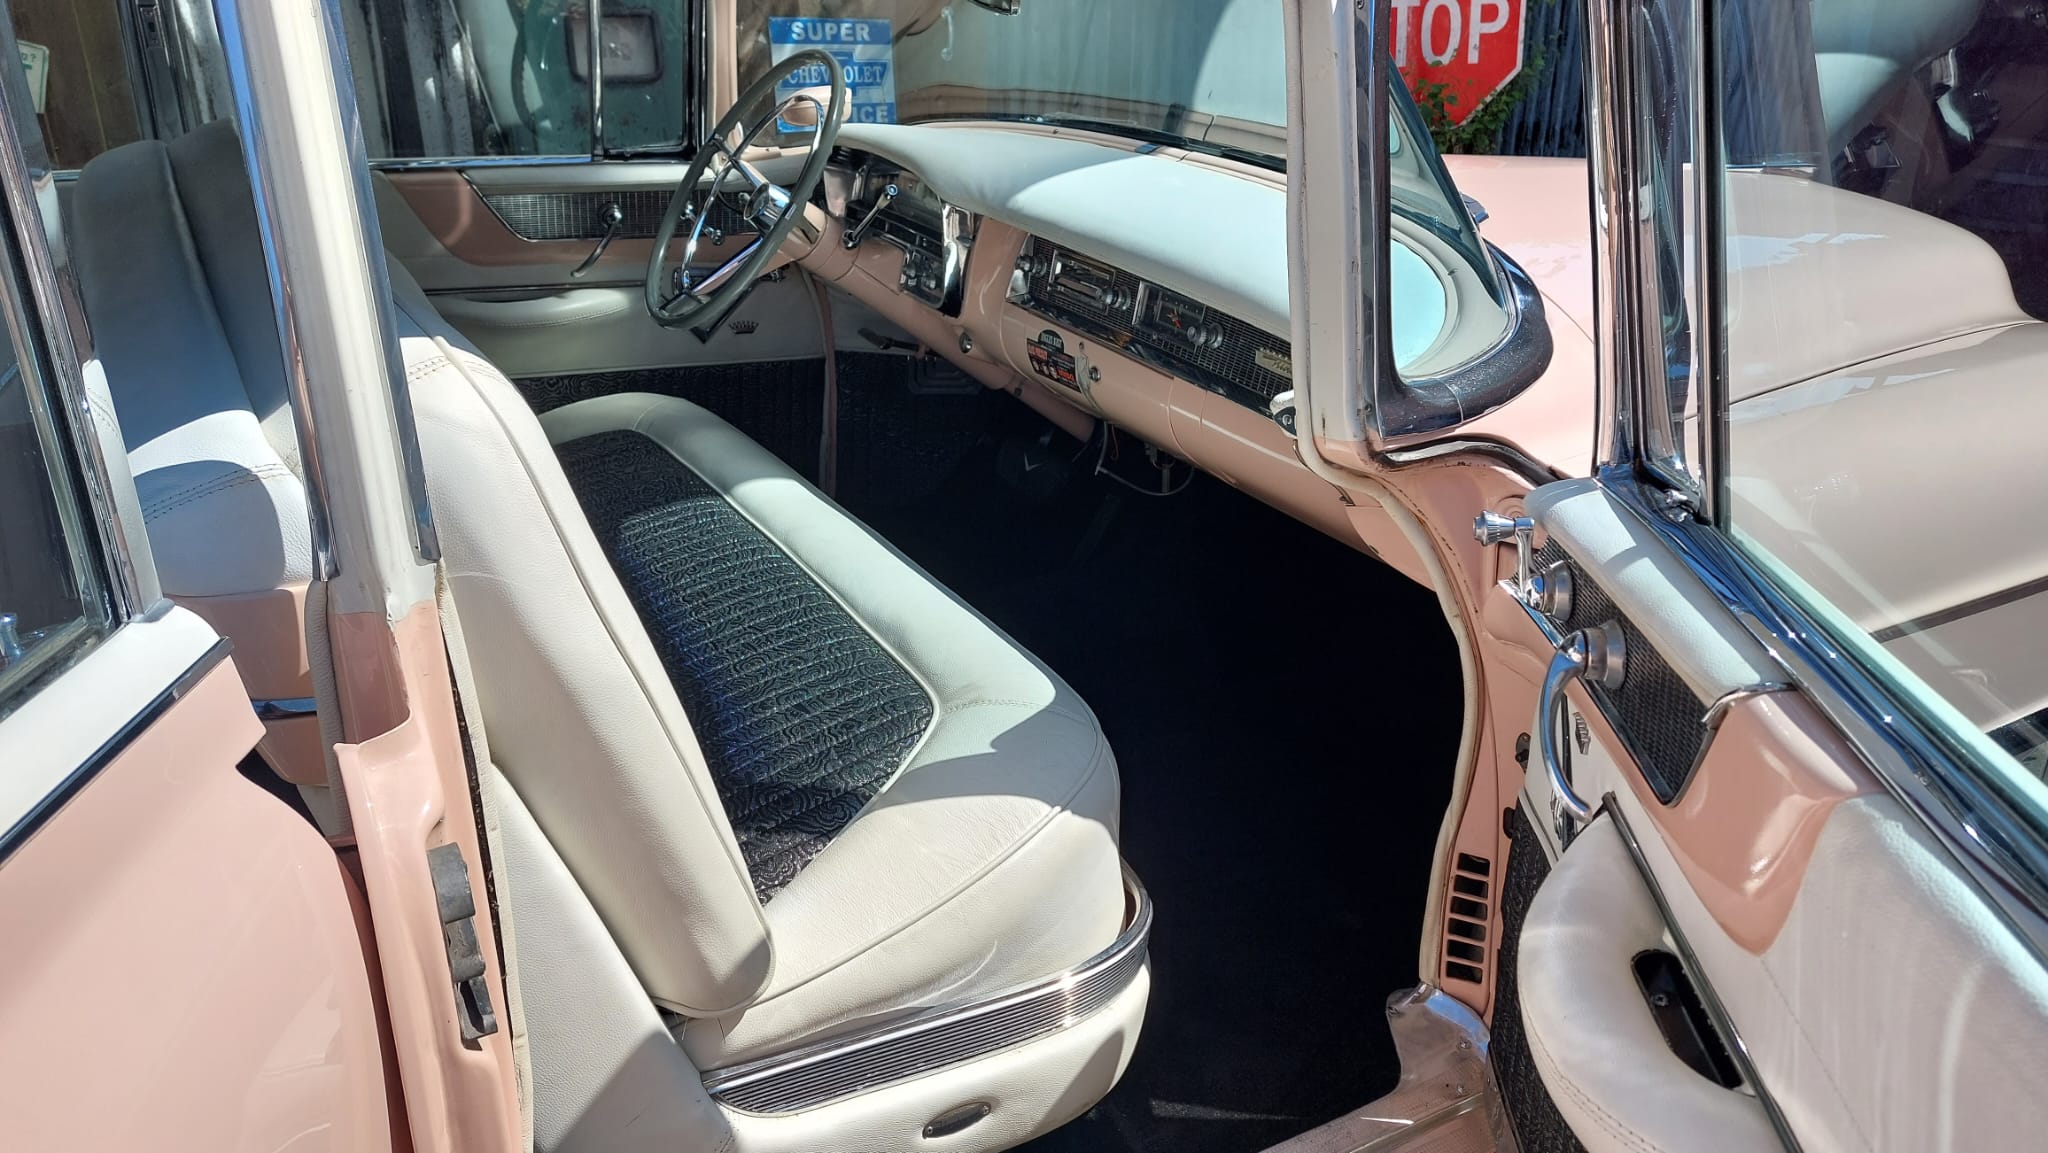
[(1589, 654), (613, 217)]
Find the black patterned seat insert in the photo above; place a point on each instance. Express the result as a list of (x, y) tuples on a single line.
[(802, 714)]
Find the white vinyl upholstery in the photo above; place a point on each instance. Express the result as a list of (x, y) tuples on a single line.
[(988, 861), (174, 285)]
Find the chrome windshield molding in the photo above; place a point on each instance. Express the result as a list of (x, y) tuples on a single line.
[(67, 409), (1993, 835), (1738, 1049), (268, 225), (844, 1066), (426, 541)]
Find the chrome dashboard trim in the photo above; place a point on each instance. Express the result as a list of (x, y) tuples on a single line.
[(841, 1067)]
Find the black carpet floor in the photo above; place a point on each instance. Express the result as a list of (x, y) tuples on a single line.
[(1281, 790)]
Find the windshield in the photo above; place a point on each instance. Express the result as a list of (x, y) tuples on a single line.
[(1208, 73)]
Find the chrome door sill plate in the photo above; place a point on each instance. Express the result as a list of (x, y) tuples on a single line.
[(1446, 1102), (950, 1035)]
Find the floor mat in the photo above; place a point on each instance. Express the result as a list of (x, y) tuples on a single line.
[(1281, 790)]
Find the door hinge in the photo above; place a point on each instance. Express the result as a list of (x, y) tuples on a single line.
[(457, 905)]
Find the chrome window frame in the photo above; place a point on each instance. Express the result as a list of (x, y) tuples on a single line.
[(2000, 844), (696, 111), (40, 306)]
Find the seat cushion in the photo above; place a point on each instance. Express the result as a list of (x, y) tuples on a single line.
[(802, 715), (932, 811)]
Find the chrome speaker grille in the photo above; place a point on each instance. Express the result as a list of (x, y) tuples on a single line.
[(845, 1066), (580, 215)]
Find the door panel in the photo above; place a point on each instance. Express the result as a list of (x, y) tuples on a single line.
[(184, 965), (496, 247), (1860, 983)]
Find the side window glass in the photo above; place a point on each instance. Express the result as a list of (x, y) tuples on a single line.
[(73, 53), (471, 78), (52, 604), (1883, 285)]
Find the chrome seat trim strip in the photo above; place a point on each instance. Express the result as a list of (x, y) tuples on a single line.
[(841, 1067)]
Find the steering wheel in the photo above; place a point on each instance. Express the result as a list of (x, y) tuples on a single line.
[(770, 210)]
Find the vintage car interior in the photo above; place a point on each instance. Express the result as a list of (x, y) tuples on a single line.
[(1047, 574)]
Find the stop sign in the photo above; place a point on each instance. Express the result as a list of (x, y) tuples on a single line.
[(1472, 47)]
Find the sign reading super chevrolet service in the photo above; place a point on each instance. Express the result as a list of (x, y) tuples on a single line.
[(862, 48)]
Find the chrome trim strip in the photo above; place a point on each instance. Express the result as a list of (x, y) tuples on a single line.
[(64, 406), (1995, 838), (436, 163), (1969, 608), (285, 708), (1738, 1050), (426, 540), (841, 1067), (268, 225), (19, 833), (596, 76)]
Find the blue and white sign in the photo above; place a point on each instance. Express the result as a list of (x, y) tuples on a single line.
[(864, 51)]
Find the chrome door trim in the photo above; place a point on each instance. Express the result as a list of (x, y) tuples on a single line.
[(17, 834), (297, 390), (426, 540), (1989, 834), (813, 1075), (86, 419)]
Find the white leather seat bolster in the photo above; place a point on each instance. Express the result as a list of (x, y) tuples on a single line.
[(582, 720), (989, 861)]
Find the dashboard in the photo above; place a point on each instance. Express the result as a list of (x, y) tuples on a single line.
[(1144, 289)]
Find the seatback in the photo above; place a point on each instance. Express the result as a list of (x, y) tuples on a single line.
[(173, 278), (583, 720)]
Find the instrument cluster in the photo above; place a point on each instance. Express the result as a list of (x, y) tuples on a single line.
[(895, 206)]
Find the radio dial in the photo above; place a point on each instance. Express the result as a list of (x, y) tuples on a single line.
[(1034, 266)]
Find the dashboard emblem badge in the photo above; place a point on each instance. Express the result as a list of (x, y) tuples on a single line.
[(1275, 363)]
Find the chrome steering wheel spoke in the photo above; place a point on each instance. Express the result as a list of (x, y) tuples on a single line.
[(768, 208)]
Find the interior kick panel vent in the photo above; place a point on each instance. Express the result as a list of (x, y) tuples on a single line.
[(1151, 322), (1539, 1127), (580, 215), (1657, 715), (1467, 918)]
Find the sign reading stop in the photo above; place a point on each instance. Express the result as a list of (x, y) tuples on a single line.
[(1471, 47)]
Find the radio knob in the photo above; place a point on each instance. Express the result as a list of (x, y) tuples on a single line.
[(1033, 265), (931, 282)]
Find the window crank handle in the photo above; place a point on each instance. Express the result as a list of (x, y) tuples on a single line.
[(613, 217)]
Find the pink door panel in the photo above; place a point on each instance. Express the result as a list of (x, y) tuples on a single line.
[(183, 967)]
